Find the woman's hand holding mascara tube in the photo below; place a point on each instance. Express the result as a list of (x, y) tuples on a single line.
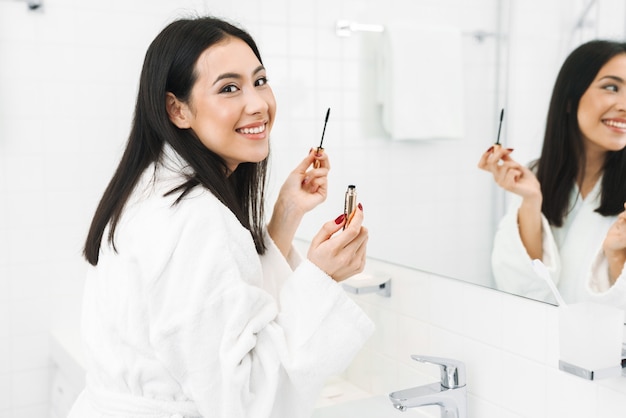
[(341, 255)]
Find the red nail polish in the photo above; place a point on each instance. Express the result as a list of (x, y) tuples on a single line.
[(360, 206), (340, 219), (490, 149)]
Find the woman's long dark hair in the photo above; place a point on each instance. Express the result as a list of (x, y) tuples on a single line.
[(169, 67), (563, 154)]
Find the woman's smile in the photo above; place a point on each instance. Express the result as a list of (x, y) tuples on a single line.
[(253, 131), (618, 125)]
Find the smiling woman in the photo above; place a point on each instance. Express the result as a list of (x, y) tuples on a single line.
[(193, 307), (571, 213)]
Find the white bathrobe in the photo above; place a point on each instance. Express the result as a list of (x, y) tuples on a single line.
[(572, 253), (187, 320)]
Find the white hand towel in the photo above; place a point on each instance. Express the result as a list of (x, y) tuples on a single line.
[(422, 82)]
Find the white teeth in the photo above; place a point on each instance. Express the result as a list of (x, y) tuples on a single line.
[(255, 130), (615, 124)]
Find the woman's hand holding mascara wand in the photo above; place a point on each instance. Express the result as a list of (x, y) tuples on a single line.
[(320, 149), (519, 179), (303, 190), (508, 173)]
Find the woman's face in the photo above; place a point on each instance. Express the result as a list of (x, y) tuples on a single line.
[(602, 108), (232, 107)]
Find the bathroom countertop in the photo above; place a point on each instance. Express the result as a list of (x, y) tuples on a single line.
[(338, 390), (341, 398), (378, 406)]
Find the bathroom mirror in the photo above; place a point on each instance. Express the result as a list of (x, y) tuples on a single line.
[(427, 205)]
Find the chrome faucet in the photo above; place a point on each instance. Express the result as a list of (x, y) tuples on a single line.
[(450, 393)]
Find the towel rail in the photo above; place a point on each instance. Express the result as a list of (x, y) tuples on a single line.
[(345, 28), (33, 4)]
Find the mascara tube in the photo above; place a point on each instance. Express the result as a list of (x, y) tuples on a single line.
[(349, 204)]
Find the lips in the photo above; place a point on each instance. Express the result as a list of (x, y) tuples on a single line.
[(251, 130), (618, 124)]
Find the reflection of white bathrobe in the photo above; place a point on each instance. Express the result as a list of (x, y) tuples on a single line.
[(187, 320), (572, 253)]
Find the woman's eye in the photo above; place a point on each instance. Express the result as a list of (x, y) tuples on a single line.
[(231, 88), (261, 82), (611, 87)]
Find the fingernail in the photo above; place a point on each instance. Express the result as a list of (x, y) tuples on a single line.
[(340, 219), (510, 149), (490, 149), (360, 206)]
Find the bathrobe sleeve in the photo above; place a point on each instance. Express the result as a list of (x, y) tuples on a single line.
[(512, 266), (242, 344), (599, 285)]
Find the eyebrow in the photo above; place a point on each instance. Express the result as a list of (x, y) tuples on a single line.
[(612, 77), (236, 75)]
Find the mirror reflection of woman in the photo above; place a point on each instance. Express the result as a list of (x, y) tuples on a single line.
[(193, 307), (571, 204)]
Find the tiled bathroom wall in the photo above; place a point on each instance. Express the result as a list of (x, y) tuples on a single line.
[(67, 83), (68, 79)]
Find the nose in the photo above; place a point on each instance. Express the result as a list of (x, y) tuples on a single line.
[(256, 101)]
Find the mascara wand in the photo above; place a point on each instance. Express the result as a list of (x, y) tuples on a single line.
[(500, 126), (323, 131), (320, 148)]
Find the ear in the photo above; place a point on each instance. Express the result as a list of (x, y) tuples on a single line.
[(177, 111)]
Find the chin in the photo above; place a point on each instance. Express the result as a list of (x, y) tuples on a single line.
[(618, 147), (257, 158), (263, 154)]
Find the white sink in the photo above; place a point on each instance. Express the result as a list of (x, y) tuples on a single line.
[(373, 407)]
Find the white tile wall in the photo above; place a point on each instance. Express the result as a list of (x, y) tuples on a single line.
[(67, 89), (67, 85)]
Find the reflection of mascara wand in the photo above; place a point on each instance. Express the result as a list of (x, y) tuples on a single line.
[(500, 126), (320, 148)]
